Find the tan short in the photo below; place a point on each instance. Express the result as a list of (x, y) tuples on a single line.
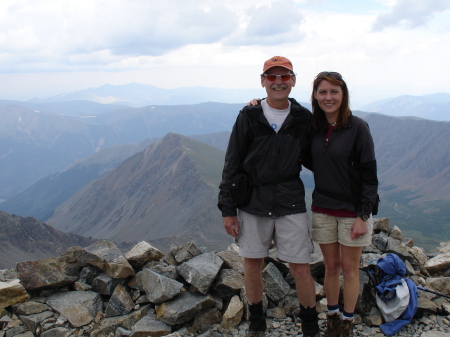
[(330, 229), (290, 233)]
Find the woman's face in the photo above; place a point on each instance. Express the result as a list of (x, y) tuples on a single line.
[(329, 96)]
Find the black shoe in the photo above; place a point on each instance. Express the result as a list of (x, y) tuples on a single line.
[(310, 322), (258, 325)]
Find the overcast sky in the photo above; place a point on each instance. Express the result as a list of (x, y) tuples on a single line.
[(383, 48)]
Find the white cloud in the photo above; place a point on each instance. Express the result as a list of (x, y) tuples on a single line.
[(70, 45), (410, 13)]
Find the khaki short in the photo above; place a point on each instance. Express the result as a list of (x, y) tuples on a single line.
[(330, 229), (290, 233)]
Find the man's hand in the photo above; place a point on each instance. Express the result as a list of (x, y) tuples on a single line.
[(231, 225), (254, 102)]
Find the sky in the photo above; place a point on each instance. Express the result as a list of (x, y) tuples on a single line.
[(383, 48)]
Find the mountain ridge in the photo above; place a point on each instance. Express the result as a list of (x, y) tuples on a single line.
[(131, 202)]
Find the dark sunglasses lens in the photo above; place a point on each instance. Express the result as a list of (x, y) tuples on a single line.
[(272, 77)]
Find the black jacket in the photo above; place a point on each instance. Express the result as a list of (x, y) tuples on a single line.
[(345, 171), (272, 161)]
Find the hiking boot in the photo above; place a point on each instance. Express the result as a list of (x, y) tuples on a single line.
[(346, 328), (333, 325), (258, 325), (310, 322)]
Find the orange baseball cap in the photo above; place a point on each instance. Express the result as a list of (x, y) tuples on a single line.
[(278, 61)]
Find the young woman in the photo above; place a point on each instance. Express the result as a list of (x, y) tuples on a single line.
[(345, 176)]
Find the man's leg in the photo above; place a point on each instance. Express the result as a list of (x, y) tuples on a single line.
[(253, 280), (254, 289), (306, 293)]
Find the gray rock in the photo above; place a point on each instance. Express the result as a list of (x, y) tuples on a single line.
[(79, 307), (229, 283), (88, 274), (142, 253), (109, 325), (232, 260), (438, 263), (178, 255), (162, 268), (114, 263), (120, 302), (201, 271), (149, 325), (29, 308), (56, 332), (183, 308), (275, 286), (158, 287), (105, 284), (50, 272), (32, 321)]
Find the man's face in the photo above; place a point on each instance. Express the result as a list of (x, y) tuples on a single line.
[(278, 90)]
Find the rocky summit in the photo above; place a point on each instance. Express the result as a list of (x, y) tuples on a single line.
[(100, 291)]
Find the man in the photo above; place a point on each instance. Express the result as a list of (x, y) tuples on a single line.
[(265, 152)]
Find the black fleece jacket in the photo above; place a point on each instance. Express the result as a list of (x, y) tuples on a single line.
[(272, 161), (346, 168)]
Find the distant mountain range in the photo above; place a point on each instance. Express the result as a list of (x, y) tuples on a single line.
[(434, 107), (140, 95)]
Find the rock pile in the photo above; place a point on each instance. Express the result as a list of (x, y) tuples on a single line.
[(98, 291)]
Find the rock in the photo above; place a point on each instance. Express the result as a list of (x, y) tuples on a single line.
[(32, 321), (229, 283), (275, 286), (109, 325), (12, 292), (149, 325), (183, 308), (438, 263), (381, 225), (232, 260), (158, 287), (29, 308), (114, 263), (201, 270), (120, 302), (178, 255), (143, 253), (233, 315), (105, 284), (79, 307), (50, 272)]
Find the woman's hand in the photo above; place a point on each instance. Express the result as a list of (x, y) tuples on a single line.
[(359, 229)]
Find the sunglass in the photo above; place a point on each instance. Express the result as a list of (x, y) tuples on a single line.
[(333, 74), (273, 77)]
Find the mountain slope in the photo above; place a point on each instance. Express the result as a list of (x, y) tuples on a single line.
[(24, 239), (41, 198), (435, 106), (167, 190), (34, 144)]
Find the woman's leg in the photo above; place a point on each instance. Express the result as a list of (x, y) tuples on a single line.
[(350, 261), (332, 258)]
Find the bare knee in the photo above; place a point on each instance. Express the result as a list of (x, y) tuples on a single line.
[(300, 270), (253, 265)]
